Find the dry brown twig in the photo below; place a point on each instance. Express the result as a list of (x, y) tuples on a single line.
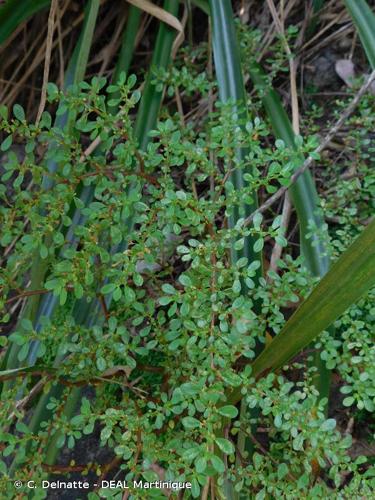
[(338, 18), (18, 68), (8, 98), (47, 60), (287, 206), (271, 32), (310, 160), (181, 34), (59, 15), (347, 28), (279, 23), (11, 96), (159, 13)]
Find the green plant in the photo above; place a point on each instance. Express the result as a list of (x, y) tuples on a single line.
[(157, 306), (176, 332)]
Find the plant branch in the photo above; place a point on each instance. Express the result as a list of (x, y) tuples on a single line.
[(310, 160)]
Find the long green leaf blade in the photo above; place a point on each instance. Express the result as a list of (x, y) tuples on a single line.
[(351, 276), (128, 43), (306, 202), (151, 98), (14, 12), (364, 20), (202, 5), (303, 192), (77, 66), (231, 88)]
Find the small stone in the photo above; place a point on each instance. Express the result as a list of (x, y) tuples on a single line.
[(345, 69)]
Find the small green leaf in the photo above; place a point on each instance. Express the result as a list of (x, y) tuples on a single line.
[(236, 286), (190, 423), (43, 251), (167, 288), (108, 288), (101, 364), (217, 464), (282, 471), (21, 427), (228, 411), (63, 296), (52, 90), (60, 441), (163, 301), (200, 465), (225, 445), (258, 245), (117, 293), (348, 401), (150, 475), (106, 433), (185, 280), (138, 280), (18, 112), (52, 284), (24, 351), (191, 453), (58, 238), (242, 262), (3, 112), (303, 481), (6, 144), (239, 244), (195, 488), (27, 325), (328, 425), (78, 290)]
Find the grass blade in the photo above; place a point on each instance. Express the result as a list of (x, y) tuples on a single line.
[(364, 20), (231, 87), (151, 99), (78, 63), (316, 8), (317, 5), (351, 276), (128, 43), (306, 202), (202, 5), (14, 12), (303, 192)]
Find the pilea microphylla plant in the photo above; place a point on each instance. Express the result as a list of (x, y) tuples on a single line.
[(148, 337)]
